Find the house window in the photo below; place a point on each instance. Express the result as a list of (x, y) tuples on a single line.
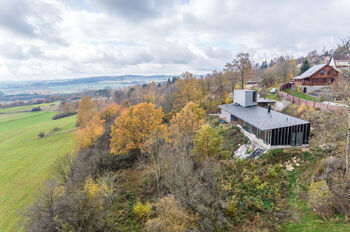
[(254, 96), (267, 137), (247, 127), (329, 72), (257, 133), (321, 72)]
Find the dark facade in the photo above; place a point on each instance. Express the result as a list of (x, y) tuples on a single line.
[(293, 135)]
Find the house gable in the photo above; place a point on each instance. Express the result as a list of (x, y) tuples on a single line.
[(325, 72), (318, 75)]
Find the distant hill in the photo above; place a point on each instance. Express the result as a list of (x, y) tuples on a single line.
[(77, 84)]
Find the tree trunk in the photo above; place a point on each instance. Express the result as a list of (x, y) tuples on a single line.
[(242, 84), (347, 143), (157, 174)]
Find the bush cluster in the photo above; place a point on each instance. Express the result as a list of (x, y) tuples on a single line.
[(62, 115), (36, 109)]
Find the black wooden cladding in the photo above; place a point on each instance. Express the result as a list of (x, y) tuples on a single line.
[(283, 136)]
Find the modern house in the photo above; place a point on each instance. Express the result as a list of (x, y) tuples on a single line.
[(268, 128), (318, 76)]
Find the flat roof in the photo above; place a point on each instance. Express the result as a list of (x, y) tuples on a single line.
[(260, 118), (262, 100)]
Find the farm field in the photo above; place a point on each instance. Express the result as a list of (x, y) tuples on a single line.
[(26, 159)]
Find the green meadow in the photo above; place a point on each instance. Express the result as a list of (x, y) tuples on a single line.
[(26, 159)]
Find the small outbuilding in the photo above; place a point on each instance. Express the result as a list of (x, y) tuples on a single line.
[(269, 128)]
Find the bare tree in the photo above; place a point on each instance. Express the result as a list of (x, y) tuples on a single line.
[(231, 76), (342, 86), (241, 64), (343, 49)]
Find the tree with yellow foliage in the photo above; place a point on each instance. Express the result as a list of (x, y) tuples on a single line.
[(186, 90), (207, 143), (135, 127), (94, 128), (185, 123), (86, 111), (88, 135), (110, 112), (189, 119)]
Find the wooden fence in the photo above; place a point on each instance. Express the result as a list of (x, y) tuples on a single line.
[(299, 101)]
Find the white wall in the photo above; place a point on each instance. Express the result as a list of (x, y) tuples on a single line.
[(244, 98), (226, 115)]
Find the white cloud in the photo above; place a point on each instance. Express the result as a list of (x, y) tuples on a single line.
[(46, 39)]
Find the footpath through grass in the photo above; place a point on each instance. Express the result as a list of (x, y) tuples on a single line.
[(25, 159)]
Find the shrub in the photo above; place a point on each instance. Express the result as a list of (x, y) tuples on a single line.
[(171, 217), (41, 135), (320, 199), (302, 108), (58, 116), (142, 211), (36, 109)]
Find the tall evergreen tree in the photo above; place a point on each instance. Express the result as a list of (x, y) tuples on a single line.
[(263, 65), (304, 67)]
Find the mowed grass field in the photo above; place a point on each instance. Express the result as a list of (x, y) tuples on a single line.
[(26, 160)]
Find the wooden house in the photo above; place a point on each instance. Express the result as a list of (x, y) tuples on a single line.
[(316, 77)]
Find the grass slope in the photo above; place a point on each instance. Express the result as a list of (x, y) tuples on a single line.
[(25, 159), (300, 95), (303, 218)]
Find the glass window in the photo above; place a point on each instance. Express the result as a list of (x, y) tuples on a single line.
[(321, 72), (247, 127), (254, 96), (266, 137), (329, 72)]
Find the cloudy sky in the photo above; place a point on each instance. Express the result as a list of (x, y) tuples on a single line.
[(47, 39)]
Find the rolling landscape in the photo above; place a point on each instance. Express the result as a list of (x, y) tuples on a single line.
[(174, 116)]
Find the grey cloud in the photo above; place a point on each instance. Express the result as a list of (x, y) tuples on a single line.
[(165, 35), (13, 16), (135, 10), (31, 19)]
